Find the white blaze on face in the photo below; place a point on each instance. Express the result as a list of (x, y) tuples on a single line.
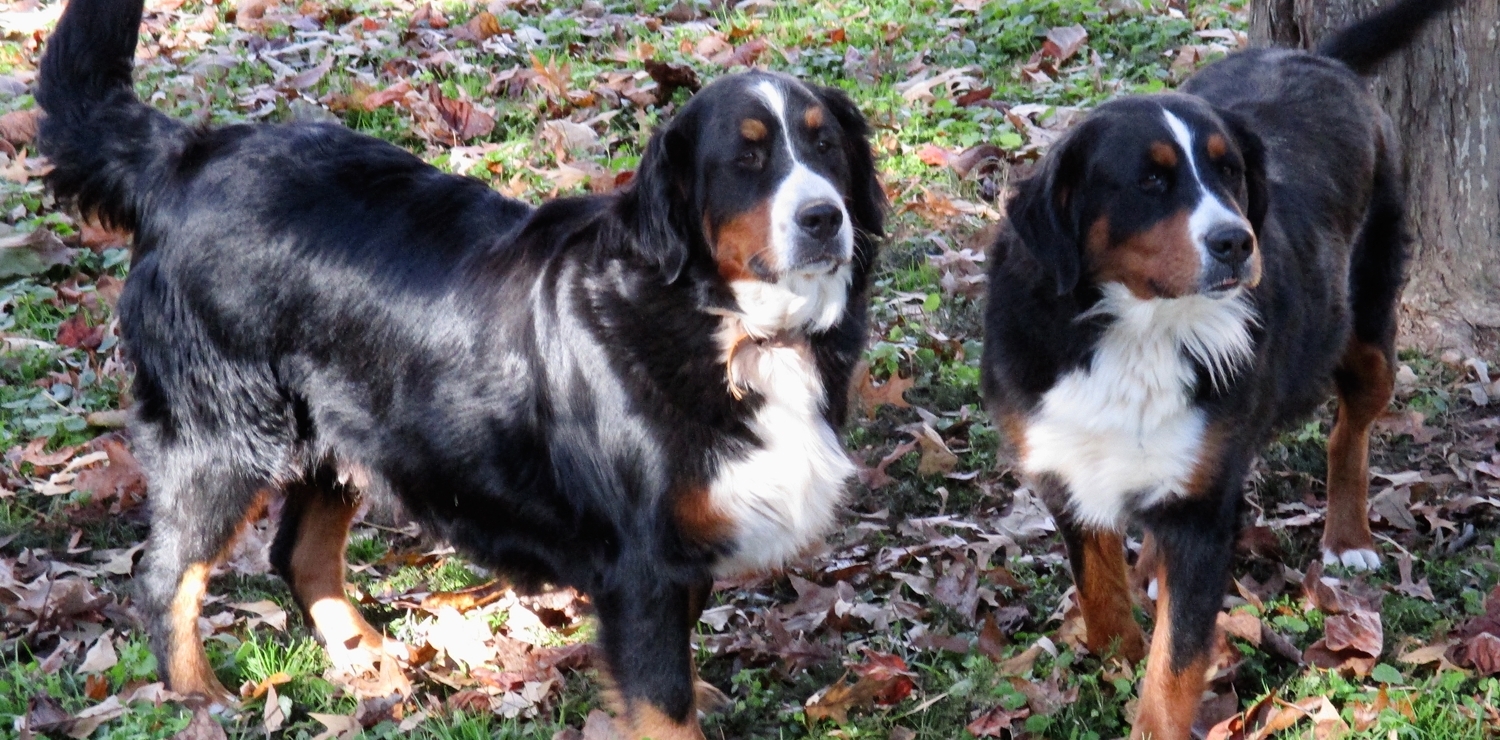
[(811, 299), (1211, 213)]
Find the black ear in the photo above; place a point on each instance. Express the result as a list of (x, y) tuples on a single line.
[(1253, 151), (1045, 211), (660, 200), (867, 201)]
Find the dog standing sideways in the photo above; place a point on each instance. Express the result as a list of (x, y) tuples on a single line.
[(626, 394), (1182, 277)]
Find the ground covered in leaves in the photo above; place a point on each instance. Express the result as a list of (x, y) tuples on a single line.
[(942, 606)]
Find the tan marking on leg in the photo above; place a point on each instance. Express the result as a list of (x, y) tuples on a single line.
[(646, 721), (188, 671), (1149, 561), (752, 129), (317, 566), (1104, 596), (1348, 524), (1169, 699)]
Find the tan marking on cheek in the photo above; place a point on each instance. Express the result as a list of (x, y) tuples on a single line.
[(1159, 262), (699, 520), (813, 117), (1163, 154), (741, 240), (753, 129), (1216, 145)]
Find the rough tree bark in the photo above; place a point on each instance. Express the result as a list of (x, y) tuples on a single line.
[(1444, 96)]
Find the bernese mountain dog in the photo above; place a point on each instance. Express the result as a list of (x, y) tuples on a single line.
[(1183, 276), (628, 394)]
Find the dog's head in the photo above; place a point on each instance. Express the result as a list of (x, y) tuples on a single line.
[(1163, 194), (771, 183)]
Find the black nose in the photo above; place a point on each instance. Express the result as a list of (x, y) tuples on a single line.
[(1231, 245), (821, 220)]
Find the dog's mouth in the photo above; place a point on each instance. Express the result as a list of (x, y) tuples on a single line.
[(823, 265)]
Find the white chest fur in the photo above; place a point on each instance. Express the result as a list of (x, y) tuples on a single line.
[(1123, 433), (782, 494)]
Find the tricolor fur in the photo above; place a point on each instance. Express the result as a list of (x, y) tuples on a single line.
[(1183, 276), (626, 394)]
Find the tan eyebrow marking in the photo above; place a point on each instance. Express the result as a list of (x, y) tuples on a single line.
[(1163, 154), (1216, 146), (813, 117), (752, 129)]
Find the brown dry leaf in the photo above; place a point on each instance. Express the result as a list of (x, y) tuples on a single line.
[(249, 14), (19, 126), (1393, 506), (1327, 724), (889, 393), (883, 680), (201, 727), (1482, 652), (1243, 625), (42, 460), (101, 657), (1359, 631), (387, 96), (1428, 654), (1347, 661), (77, 333), (599, 726), (1021, 664), (992, 641), (121, 479), (251, 691), (996, 722), (1409, 423), (669, 77), (339, 727), (428, 17), (311, 76), (745, 54), (934, 155), (1063, 42), (32, 253), (463, 121), (876, 477), (272, 717), (482, 26), (1366, 713), (1416, 590), (937, 459)]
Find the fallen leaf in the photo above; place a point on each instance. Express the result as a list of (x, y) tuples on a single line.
[(31, 253), (101, 657), (272, 716), (19, 126), (1393, 505), (996, 722), (933, 155), (1358, 631), (1064, 41), (1416, 590), (482, 26), (339, 727)]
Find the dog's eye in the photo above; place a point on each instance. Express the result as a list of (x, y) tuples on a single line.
[(752, 159), (1228, 170), (1154, 182), (823, 146)]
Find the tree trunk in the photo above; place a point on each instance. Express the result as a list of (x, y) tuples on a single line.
[(1444, 96)]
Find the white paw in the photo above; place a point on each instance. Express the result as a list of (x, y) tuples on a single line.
[(1152, 590), (1353, 559)]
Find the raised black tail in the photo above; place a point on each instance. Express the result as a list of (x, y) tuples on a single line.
[(105, 145), (1367, 43)]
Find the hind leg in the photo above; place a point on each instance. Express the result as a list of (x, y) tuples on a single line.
[(309, 555), (197, 509), (1365, 382), (1366, 375)]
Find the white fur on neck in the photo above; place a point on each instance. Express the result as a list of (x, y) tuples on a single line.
[(782, 493), (798, 302), (1123, 433)]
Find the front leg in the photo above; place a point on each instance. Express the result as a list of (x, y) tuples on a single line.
[(1195, 540), (1097, 558), (646, 621)]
